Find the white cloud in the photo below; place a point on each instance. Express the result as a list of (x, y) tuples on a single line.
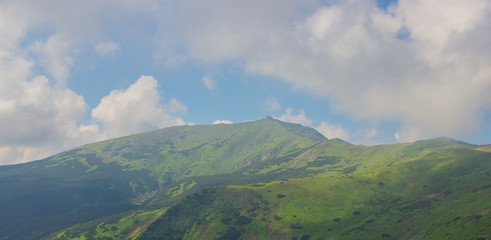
[(220, 31), (106, 48), (396, 136), (447, 18), (21, 154), (299, 118), (136, 109), (45, 116), (325, 128), (434, 83), (209, 82), (45, 119), (222, 122), (332, 131), (271, 104), (55, 57), (41, 119), (13, 26)]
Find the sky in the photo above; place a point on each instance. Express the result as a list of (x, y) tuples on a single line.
[(369, 72)]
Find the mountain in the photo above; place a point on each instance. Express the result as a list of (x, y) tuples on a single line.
[(389, 193), (122, 174), (256, 180)]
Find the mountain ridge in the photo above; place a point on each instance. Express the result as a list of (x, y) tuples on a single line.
[(121, 174), (118, 187)]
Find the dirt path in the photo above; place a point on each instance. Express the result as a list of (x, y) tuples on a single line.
[(141, 227), (483, 149)]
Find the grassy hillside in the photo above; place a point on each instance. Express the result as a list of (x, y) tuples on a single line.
[(118, 175), (126, 225), (425, 190), (433, 189), (257, 180)]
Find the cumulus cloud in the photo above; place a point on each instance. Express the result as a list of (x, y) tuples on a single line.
[(332, 131), (209, 82), (41, 113), (106, 48), (41, 119), (21, 154), (290, 116), (422, 64), (222, 122), (39, 116), (45, 119), (136, 109), (419, 63), (39, 43), (325, 128)]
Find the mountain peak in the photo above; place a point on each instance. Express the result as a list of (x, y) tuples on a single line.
[(298, 129)]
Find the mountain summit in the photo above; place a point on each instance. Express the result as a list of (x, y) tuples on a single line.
[(120, 174)]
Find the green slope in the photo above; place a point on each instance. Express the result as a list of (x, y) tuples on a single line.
[(425, 190), (257, 180), (118, 175)]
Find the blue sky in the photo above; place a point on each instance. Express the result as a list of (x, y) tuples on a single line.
[(369, 72)]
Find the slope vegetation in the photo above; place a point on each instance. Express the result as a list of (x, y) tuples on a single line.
[(426, 190), (256, 180), (118, 175)]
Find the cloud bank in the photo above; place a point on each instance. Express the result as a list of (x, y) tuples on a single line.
[(39, 114), (43, 119), (136, 109), (421, 64)]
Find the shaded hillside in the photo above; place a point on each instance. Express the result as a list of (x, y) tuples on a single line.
[(121, 174)]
